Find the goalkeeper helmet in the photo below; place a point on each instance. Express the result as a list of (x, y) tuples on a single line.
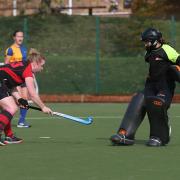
[(153, 36)]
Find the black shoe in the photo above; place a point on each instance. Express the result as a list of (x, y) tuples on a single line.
[(23, 125), (154, 142), (119, 139)]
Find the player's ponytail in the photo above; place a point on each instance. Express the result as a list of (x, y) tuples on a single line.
[(35, 55)]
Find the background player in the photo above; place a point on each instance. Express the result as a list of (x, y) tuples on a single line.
[(17, 52)]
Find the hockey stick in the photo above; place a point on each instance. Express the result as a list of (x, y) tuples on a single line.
[(86, 121)]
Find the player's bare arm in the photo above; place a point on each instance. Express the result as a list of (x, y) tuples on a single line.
[(7, 59), (34, 96)]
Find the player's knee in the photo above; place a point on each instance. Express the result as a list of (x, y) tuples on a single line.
[(12, 109)]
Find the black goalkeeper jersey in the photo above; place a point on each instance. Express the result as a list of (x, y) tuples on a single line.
[(159, 62)]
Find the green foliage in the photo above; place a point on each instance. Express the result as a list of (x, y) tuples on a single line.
[(69, 35), (121, 37), (141, 8), (45, 7), (77, 75)]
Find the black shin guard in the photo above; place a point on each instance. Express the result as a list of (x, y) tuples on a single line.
[(158, 118), (133, 117)]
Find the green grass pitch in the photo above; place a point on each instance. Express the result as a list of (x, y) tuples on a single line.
[(80, 152)]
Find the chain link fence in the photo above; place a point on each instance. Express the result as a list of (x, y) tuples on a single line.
[(89, 55)]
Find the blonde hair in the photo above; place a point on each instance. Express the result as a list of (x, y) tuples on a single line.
[(35, 55)]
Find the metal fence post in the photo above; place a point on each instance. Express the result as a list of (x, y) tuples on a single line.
[(173, 31), (97, 54)]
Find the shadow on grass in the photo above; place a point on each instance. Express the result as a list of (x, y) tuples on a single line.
[(140, 141), (137, 141)]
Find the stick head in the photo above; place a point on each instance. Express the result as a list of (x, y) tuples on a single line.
[(90, 119)]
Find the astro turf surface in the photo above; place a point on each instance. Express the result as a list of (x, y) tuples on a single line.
[(79, 152)]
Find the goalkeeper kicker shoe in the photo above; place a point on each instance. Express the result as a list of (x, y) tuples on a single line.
[(120, 139), (154, 142), (12, 140)]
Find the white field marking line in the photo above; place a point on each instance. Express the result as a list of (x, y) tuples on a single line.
[(44, 137), (94, 117)]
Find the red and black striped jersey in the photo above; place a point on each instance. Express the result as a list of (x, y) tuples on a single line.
[(14, 74)]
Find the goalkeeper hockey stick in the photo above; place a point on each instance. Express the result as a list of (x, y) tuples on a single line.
[(86, 121)]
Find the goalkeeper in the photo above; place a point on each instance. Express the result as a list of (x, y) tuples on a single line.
[(157, 95)]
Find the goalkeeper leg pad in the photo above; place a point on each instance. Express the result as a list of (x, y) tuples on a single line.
[(133, 117), (158, 118)]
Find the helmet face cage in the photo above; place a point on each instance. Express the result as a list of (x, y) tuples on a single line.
[(151, 35)]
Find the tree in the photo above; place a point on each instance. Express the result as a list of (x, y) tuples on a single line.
[(45, 7), (156, 8)]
